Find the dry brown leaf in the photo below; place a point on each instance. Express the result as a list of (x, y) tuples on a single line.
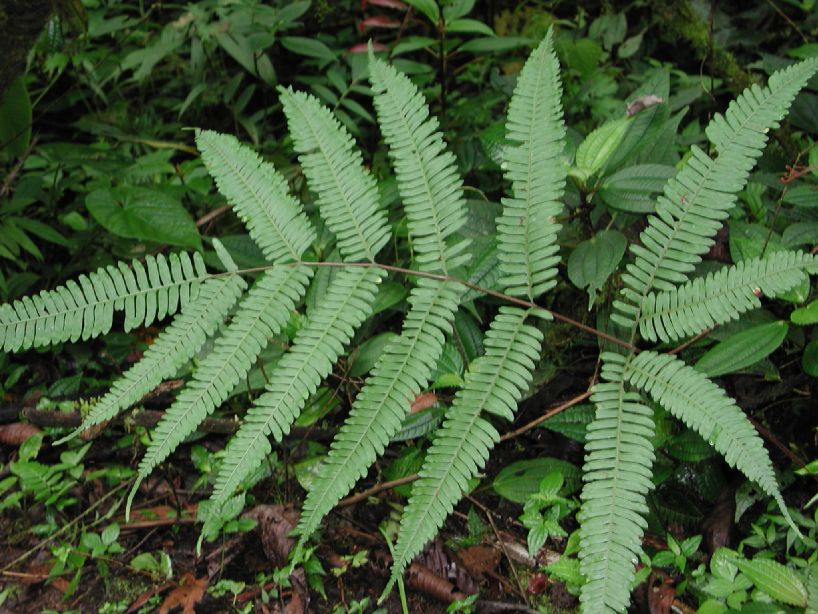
[(186, 596), (16, 433), (424, 400)]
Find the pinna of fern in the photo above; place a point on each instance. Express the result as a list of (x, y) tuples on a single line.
[(659, 301)]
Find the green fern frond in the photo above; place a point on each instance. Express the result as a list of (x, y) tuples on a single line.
[(172, 348), (704, 407), (698, 199), (618, 477), (428, 181), (494, 384), (402, 371), (527, 229), (316, 347), (721, 296), (259, 196), (261, 315), (84, 308), (347, 194)]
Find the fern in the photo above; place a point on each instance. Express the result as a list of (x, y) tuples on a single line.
[(688, 215), (316, 347), (721, 296), (527, 229), (497, 381), (172, 348), (261, 315), (348, 196), (705, 408), (406, 365), (85, 308)]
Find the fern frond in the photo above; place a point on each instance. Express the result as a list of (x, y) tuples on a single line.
[(84, 308), (720, 296), (259, 196), (704, 407), (698, 199), (172, 348), (261, 315), (347, 194), (316, 347), (617, 476), (494, 384), (402, 371), (428, 181), (527, 230)]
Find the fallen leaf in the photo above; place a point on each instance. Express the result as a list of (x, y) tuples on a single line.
[(424, 400), (16, 433), (186, 595)]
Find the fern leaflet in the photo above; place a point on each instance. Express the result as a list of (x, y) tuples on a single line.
[(172, 348), (494, 383), (85, 308), (705, 407), (347, 194), (720, 296), (259, 196), (427, 174), (527, 229), (261, 315), (402, 371), (617, 475), (316, 347)]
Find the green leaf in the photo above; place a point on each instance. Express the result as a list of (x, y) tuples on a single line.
[(593, 261), (309, 47), (15, 119), (779, 582), (572, 422), (800, 233), (469, 26), (743, 349), (144, 214), (494, 44), (599, 146), (805, 315), (802, 196), (428, 8), (809, 361), (633, 189), (366, 355), (521, 480)]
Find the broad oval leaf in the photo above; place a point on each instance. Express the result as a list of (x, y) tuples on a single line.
[(309, 47), (809, 361), (802, 196), (572, 422), (366, 355), (599, 146), (779, 582), (470, 26), (15, 118), (142, 213), (805, 315), (428, 8), (743, 349), (593, 261), (519, 481), (633, 189)]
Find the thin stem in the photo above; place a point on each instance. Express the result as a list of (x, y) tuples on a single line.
[(549, 414), (439, 277)]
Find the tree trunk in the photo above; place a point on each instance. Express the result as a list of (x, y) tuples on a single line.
[(21, 22)]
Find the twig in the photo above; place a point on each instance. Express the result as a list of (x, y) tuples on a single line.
[(9, 179), (548, 414), (786, 18), (212, 215), (365, 494), (690, 341)]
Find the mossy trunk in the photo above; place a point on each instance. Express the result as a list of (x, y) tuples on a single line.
[(21, 22)]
